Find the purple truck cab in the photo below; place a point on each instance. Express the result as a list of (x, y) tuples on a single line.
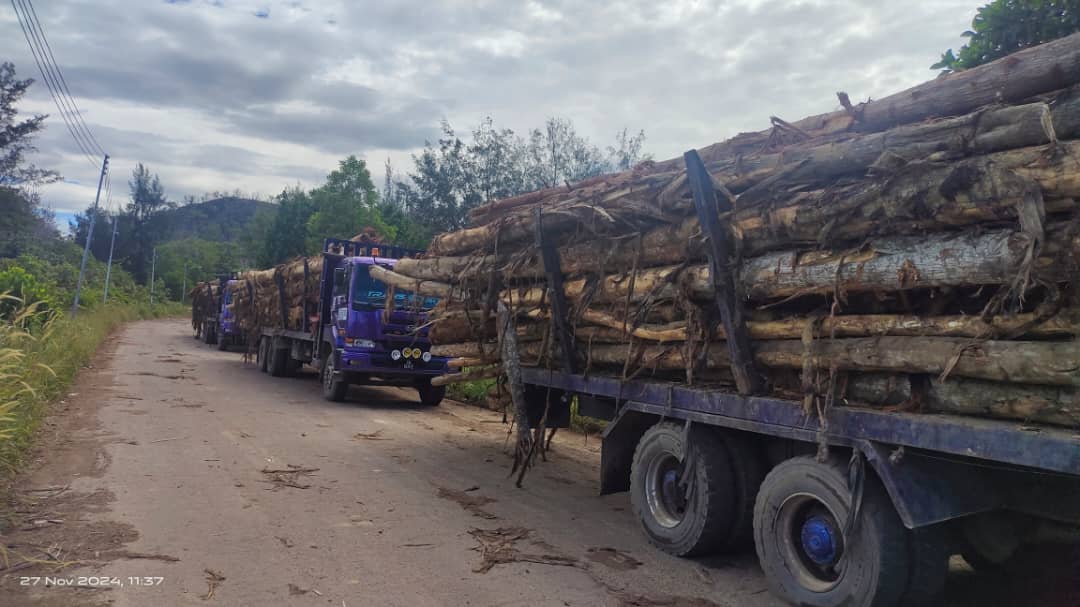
[(375, 337)]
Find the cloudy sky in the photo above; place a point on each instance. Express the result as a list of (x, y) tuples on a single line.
[(227, 94)]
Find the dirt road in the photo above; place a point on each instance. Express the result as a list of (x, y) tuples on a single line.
[(155, 467), (162, 447)]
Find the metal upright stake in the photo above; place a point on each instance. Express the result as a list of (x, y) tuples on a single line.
[(89, 236), (560, 311), (708, 205)]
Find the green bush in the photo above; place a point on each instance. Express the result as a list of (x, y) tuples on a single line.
[(22, 290)]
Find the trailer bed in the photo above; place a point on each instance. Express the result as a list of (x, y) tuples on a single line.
[(1006, 442)]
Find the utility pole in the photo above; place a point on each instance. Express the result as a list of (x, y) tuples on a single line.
[(108, 268), (183, 285), (153, 264), (89, 236)]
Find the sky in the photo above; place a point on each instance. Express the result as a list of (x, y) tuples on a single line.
[(258, 96)]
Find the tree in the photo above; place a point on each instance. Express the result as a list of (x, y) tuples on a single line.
[(1006, 26), (287, 234), (626, 152), (147, 200), (556, 155), (25, 223), (16, 137), (345, 205)]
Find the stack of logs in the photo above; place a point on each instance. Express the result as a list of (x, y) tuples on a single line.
[(919, 252), (279, 297), (203, 298)]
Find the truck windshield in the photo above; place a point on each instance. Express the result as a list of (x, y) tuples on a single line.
[(368, 292)]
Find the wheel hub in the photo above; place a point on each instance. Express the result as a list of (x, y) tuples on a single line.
[(821, 540), (665, 493)]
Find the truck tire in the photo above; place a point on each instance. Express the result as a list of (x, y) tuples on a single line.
[(278, 362), (222, 343), (262, 354), (677, 523), (748, 469), (798, 523), (332, 389), (206, 334), (430, 396), (928, 566)]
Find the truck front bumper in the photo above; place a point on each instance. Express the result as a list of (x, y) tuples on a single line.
[(379, 363)]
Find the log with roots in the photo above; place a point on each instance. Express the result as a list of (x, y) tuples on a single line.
[(1054, 405), (601, 327), (885, 264), (1033, 362), (915, 199), (1020, 76), (995, 136), (524, 448)]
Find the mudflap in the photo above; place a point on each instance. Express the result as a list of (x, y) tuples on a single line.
[(620, 439)]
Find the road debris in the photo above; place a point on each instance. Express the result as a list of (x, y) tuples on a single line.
[(288, 477), (496, 547), (376, 435), (213, 579), (473, 504)]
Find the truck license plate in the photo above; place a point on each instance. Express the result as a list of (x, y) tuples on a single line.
[(408, 364)]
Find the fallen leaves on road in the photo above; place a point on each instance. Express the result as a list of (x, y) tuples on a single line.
[(284, 541), (213, 579), (473, 504), (376, 435), (496, 547)]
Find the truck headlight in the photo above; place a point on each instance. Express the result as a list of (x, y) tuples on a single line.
[(426, 356), (395, 355), (416, 352)]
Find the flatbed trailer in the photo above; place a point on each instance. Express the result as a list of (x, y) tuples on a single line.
[(845, 506), (813, 491)]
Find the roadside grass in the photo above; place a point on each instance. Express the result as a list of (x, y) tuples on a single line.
[(40, 354)]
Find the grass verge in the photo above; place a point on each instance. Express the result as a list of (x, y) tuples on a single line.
[(39, 358)]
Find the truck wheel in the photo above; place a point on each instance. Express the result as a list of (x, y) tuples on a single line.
[(279, 361), (222, 343), (681, 520), (263, 354), (206, 334), (798, 532), (928, 566), (430, 396), (332, 389), (748, 468)]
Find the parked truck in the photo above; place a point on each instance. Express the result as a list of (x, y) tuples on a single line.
[(352, 329), (211, 315)]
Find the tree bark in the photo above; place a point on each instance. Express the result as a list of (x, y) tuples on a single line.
[(472, 375)]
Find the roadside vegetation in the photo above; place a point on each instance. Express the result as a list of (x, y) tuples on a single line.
[(43, 343)]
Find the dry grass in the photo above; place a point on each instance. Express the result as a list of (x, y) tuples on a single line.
[(40, 353)]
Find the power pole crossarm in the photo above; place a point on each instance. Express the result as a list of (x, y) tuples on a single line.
[(89, 236)]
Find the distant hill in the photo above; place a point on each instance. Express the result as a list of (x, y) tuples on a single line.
[(220, 219)]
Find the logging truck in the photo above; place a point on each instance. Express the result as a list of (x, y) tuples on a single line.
[(359, 332), (211, 314), (845, 506)]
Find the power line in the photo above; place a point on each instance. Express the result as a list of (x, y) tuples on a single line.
[(53, 79), (84, 146), (63, 81)]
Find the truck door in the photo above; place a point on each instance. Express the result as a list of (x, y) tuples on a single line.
[(340, 306)]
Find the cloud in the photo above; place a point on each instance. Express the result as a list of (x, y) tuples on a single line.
[(262, 95)]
